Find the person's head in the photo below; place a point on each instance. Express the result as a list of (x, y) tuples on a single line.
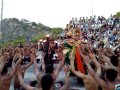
[(111, 74), (117, 51), (46, 82), (114, 60), (5, 70), (49, 69)]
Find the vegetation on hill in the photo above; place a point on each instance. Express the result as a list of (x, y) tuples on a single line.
[(16, 31), (118, 14)]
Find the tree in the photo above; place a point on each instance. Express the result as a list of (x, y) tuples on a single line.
[(118, 14), (56, 31)]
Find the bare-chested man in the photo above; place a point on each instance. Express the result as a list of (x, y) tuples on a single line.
[(47, 81), (49, 68), (23, 66), (111, 77), (89, 82), (5, 79)]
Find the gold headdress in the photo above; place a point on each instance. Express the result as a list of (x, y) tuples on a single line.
[(69, 33)]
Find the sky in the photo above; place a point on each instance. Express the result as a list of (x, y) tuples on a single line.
[(57, 13)]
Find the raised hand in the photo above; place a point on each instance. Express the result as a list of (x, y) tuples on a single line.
[(85, 57), (66, 70), (33, 57), (61, 56), (33, 50), (91, 55)]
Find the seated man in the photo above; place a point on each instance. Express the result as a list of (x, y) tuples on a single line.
[(47, 82), (24, 67), (111, 77)]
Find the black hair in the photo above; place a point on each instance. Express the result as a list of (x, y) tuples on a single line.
[(5, 70), (101, 44), (49, 69), (46, 82), (111, 74), (69, 36), (114, 60), (33, 83)]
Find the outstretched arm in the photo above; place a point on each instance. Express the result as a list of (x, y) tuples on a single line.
[(2, 66), (67, 81), (3, 60), (25, 86), (33, 58), (43, 63), (93, 58), (61, 64), (72, 68), (77, 73), (27, 65), (101, 82), (14, 69)]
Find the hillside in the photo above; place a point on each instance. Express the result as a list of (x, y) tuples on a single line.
[(13, 28)]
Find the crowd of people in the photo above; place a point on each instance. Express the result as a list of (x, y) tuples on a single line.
[(88, 49)]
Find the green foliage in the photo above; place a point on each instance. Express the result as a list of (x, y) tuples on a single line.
[(15, 30), (118, 14), (25, 26), (56, 31), (19, 40), (15, 42), (37, 37), (34, 24)]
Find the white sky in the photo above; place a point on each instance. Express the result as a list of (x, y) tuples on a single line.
[(57, 13)]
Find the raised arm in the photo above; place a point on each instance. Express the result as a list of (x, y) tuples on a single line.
[(33, 58), (72, 68), (101, 82), (93, 58), (61, 64), (25, 86), (67, 81), (43, 63), (14, 69), (107, 60), (27, 65), (2, 66), (78, 74)]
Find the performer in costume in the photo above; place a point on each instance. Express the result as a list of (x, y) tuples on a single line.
[(78, 59), (73, 41), (68, 44)]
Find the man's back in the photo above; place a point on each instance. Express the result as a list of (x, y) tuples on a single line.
[(90, 83), (4, 84), (111, 86)]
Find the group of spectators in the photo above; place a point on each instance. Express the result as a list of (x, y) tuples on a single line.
[(95, 42), (98, 29)]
